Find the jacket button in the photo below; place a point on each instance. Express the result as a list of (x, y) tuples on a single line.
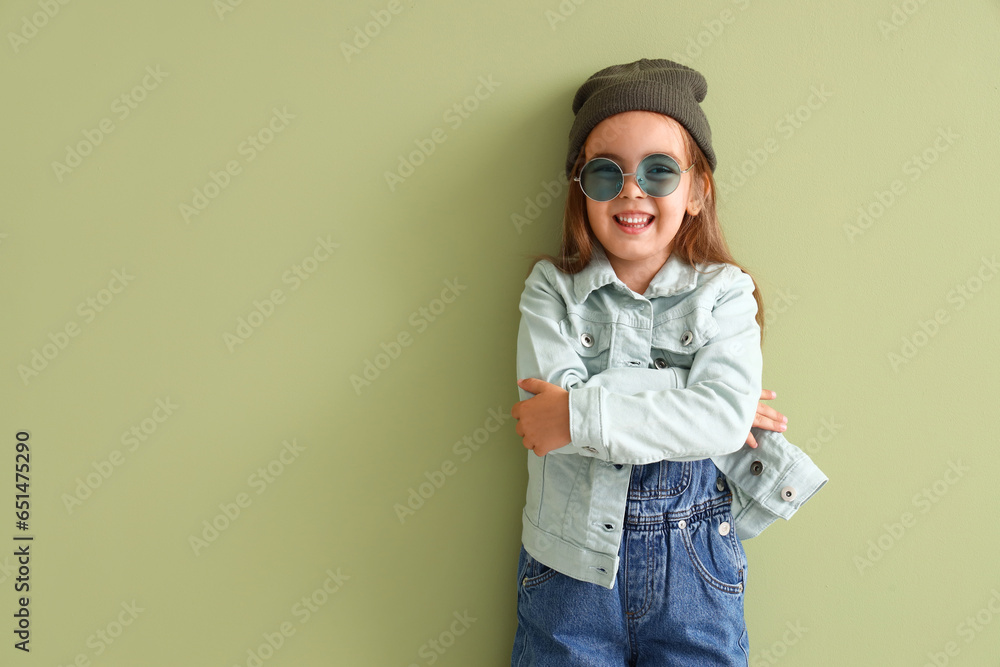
[(682, 524), (788, 493), (756, 467), (660, 362), (724, 528), (586, 339), (720, 485), (618, 466), (687, 338)]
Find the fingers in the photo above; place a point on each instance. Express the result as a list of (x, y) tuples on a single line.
[(767, 394), (752, 441), (770, 413), (769, 424), (533, 385)]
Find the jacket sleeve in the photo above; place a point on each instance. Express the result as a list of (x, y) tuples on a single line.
[(542, 352), (632, 423), (770, 482)]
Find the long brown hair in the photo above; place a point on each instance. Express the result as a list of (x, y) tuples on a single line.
[(698, 239)]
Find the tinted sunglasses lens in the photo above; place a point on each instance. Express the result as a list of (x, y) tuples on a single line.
[(601, 179), (658, 175)]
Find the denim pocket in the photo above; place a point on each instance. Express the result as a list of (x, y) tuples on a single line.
[(718, 559), (590, 340), (678, 339), (534, 572)]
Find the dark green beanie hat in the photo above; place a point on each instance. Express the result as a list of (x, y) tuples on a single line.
[(644, 85)]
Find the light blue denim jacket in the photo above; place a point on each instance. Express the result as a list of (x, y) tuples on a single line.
[(672, 374)]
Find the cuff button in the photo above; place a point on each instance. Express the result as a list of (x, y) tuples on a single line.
[(788, 493), (756, 468)]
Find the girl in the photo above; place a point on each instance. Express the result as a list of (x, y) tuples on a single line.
[(639, 353)]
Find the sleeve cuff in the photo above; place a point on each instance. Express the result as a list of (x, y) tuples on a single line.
[(585, 427), (774, 481)]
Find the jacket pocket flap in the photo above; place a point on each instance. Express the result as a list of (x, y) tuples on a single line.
[(588, 338), (687, 333)]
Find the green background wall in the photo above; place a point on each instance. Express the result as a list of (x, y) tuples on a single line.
[(820, 112)]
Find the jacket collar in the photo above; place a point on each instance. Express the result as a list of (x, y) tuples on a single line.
[(674, 277)]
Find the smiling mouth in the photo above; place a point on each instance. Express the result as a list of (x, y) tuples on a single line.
[(634, 221)]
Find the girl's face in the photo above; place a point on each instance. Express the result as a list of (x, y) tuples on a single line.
[(626, 138)]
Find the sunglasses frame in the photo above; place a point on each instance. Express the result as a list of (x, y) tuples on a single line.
[(624, 174)]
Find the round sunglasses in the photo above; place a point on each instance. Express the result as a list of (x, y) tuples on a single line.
[(658, 174)]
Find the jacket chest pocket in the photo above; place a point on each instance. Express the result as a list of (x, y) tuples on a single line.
[(591, 341), (675, 341)]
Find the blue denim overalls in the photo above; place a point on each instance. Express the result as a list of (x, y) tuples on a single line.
[(678, 595)]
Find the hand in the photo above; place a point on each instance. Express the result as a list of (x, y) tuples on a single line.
[(543, 419), (767, 417)]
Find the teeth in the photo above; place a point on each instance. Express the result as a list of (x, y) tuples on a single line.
[(634, 221)]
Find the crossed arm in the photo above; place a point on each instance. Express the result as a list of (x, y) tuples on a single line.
[(723, 376), (543, 419)]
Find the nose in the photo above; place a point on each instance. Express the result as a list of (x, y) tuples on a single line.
[(630, 186)]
